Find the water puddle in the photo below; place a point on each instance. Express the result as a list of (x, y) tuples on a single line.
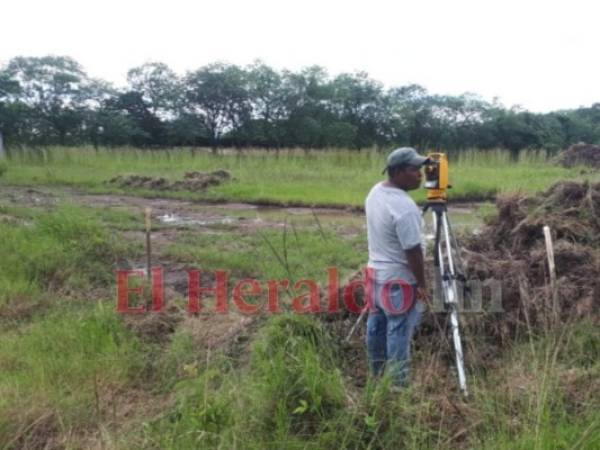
[(178, 220)]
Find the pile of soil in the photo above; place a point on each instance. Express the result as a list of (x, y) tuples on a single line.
[(192, 181), (580, 155), (511, 248)]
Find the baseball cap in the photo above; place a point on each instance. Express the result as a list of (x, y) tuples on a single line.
[(405, 156)]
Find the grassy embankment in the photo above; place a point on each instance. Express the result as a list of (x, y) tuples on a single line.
[(317, 177), (75, 375)]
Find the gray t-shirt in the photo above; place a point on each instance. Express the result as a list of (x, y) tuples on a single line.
[(394, 224)]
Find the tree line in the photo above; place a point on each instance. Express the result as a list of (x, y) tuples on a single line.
[(52, 101)]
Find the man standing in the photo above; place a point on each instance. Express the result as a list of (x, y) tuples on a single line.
[(396, 258)]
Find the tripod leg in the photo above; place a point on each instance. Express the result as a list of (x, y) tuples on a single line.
[(363, 313), (451, 297), (460, 364)]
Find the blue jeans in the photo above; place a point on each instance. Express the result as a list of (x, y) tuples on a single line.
[(390, 330)]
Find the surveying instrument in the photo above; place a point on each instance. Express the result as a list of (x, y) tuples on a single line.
[(446, 255)]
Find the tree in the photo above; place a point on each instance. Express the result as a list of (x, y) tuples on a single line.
[(456, 120), (411, 113), (148, 129), (307, 102), (112, 127), (159, 88), (46, 100), (218, 96), (9, 111), (357, 101), (267, 99), (55, 90), (514, 130)]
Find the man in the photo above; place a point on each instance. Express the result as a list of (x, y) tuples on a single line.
[(396, 258)]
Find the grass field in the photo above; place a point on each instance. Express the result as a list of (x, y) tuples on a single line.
[(290, 177), (74, 374)]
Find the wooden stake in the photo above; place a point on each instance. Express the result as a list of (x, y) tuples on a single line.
[(551, 269), (147, 213)]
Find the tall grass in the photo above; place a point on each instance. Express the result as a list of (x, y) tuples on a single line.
[(544, 396), (66, 357), (294, 395), (63, 375), (286, 395), (309, 177), (499, 157)]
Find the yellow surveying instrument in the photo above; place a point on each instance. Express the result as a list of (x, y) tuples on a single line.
[(446, 254), (436, 177)]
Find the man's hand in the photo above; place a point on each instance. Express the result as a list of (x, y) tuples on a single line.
[(415, 262)]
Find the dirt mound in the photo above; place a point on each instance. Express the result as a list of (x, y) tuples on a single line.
[(192, 181), (581, 155), (511, 248), (201, 180), (140, 181)]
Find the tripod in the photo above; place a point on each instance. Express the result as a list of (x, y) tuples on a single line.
[(448, 266)]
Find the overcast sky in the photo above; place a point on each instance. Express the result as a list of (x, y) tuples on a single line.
[(542, 55)]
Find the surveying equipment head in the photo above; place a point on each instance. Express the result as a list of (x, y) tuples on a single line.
[(436, 177)]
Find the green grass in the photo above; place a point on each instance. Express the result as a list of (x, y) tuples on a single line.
[(60, 375), (67, 248), (293, 394), (316, 177), (289, 390), (288, 253), (68, 370), (544, 396), (66, 360)]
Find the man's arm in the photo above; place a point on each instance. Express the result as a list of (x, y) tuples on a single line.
[(415, 262), (408, 230)]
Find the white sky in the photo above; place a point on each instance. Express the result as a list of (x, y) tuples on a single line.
[(538, 54)]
